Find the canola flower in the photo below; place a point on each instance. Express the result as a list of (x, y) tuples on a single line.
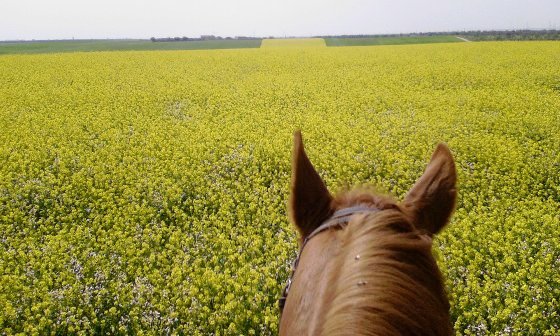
[(145, 192)]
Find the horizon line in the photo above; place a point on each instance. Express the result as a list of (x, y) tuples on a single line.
[(451, 32)]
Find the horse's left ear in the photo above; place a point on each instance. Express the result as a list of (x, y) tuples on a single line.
[(310, 201), (431, 200)]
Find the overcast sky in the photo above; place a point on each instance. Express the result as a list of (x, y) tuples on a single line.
[(62, 19)]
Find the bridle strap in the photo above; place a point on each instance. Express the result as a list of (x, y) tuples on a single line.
[(338, 219)]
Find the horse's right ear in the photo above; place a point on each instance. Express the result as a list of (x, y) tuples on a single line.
[(310, 201), (431, 200)]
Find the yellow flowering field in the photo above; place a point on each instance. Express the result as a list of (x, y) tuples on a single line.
[(145, 192), (293, 43)]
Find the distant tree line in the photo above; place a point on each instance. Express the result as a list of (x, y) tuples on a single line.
[(474, 35), (202, 38), (513, 35)]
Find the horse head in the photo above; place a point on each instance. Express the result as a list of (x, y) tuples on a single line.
[(365, 264)]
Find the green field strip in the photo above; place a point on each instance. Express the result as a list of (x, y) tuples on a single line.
[(120, 45), (372, 41)]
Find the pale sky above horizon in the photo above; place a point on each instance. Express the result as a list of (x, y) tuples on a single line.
[(64, 19)]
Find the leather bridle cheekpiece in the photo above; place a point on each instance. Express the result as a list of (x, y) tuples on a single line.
[(338, 219)]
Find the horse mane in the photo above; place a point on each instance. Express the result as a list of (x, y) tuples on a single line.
[(387, 282)]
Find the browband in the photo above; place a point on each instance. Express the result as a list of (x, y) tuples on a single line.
[(341, 216)]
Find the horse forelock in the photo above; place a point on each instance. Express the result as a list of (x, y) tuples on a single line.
[(387, 281)]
